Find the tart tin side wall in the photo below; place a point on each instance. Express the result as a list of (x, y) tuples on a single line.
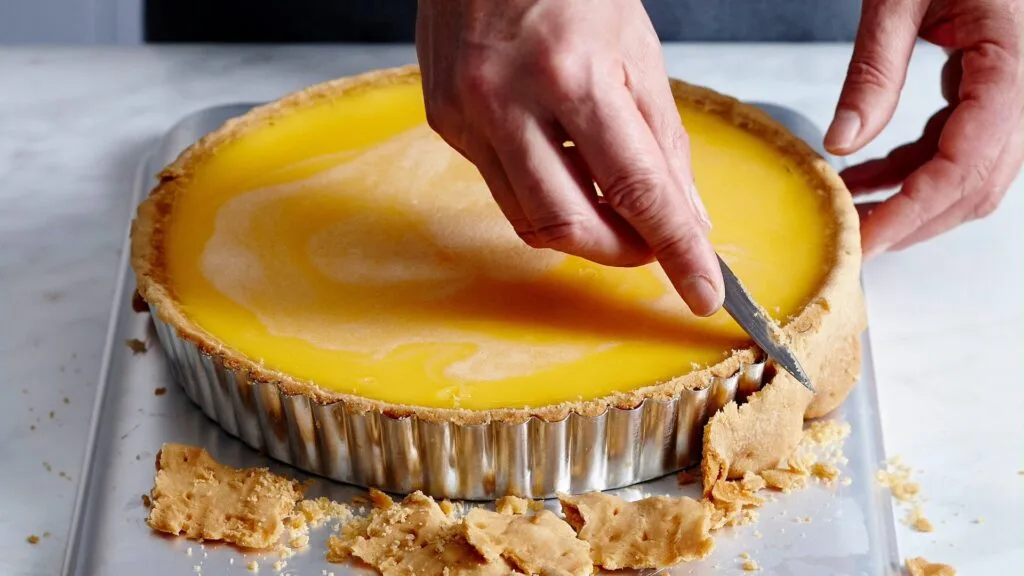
[(534, 459)]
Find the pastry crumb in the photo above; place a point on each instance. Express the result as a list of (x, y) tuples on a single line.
[(921, 567), (827, 432), (512, 505), (825, 472), (32, 539), (916, 520), (750, 565), (688, 476), (253, 566), (160, 391), (380, 499), (733, 502), (136, 346), (897, 479)]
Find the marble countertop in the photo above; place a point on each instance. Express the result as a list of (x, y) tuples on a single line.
[(945, 317)]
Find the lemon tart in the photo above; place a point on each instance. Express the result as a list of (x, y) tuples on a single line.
[(328, 257)]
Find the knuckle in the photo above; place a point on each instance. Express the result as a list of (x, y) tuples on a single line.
[(523, 229), (565, 234), (869, 71), (681, 244), (988, 204), (915, 196), (476, 84), (637, 196), (564, 71)]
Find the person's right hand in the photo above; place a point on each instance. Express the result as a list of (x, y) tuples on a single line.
[(507, 83)]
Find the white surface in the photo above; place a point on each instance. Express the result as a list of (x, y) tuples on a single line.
[(73, 124)]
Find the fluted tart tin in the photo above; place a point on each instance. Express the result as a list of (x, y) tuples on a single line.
[(534, 458)]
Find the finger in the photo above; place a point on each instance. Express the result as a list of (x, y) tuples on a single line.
[(901, 162), (864, 209), (878, 68), (653, 95), (489, 165), (977, 205), (584, 177), (631, 171), (970, 144), (555, 199), (952, 73)]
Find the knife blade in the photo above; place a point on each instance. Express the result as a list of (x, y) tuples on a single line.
[(741, 306)]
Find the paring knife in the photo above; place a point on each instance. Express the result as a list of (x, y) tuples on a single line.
[(749, 316)]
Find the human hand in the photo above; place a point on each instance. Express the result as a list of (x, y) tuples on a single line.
[(508, 83), (970, 151)]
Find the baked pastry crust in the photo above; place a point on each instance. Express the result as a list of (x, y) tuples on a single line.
[(832, 318)]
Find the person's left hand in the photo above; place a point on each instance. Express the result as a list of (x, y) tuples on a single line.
[(970, 151)]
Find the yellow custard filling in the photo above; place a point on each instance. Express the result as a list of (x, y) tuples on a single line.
[(346, 244)]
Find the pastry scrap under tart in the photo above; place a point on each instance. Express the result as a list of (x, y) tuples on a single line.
[(332, 243)]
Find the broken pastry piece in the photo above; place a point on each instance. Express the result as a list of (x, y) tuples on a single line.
[(784, 480), (755, 436), (538, 544), (655, 532), (921, 567), (413, 537), (195, 496), (734, 502)]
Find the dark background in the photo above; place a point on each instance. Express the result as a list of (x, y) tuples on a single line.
[(371, 21)]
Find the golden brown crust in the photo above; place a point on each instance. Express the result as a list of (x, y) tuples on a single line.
[(656, 532), (839, 291), (836, 378), (198, 497)]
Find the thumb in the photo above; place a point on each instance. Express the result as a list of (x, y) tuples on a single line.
[(878, 68)]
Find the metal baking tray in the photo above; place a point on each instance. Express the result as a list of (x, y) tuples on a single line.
[(851, 530)]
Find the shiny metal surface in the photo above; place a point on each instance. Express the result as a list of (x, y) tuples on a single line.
[(535, 458), (852, 531), (741, 306)]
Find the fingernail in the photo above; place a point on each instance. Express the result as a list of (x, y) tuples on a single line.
[(700, 295), (844, 129), (698, 206)]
